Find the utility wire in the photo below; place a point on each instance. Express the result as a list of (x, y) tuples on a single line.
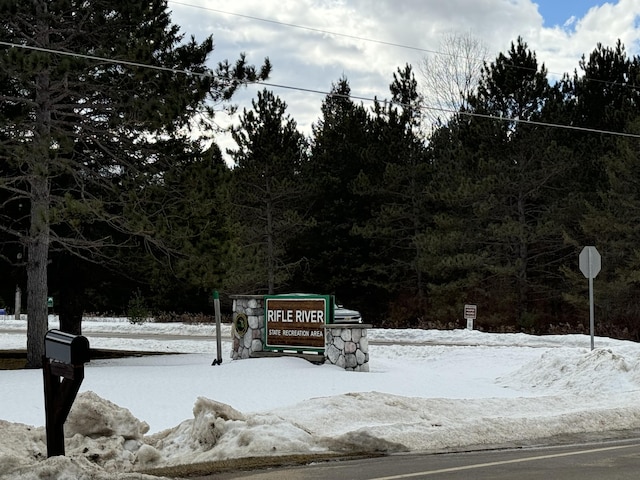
[(310, 29), (380, 42), (468, 114), (309, 90), (103, 59)]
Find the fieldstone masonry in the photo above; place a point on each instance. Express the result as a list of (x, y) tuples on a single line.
[(252, 341), (346, 346)]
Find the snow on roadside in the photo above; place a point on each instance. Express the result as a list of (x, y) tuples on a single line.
[(426, 391)]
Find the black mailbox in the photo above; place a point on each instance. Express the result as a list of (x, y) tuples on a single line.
[(66, 348), (64, 356)]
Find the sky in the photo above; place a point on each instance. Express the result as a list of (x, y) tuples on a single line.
[(314, 43), (426, 391), (565, 13)]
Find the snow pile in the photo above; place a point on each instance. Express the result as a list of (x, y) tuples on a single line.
[(219, 432), (93, 416), (101, 439), (426, 391), (388, 423), (580, 371), (20, 446)]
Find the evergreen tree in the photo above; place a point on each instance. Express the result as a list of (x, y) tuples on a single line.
[(267, 194), (503, 227), (340, 141), (395, 185), (606, 97), (191, 219), (614, 227), (602, 97), (78, 132)]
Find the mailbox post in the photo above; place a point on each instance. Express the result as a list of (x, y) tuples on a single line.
[(63, 371)]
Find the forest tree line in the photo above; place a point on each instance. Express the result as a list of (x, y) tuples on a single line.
[(106, 199)]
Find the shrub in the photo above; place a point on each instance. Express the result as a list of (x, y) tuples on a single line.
[(137, 311), (187, 318)]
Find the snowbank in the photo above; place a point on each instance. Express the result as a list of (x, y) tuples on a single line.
[(426, 391)]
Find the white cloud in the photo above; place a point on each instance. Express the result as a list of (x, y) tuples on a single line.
[(313, 59), (570, 21)]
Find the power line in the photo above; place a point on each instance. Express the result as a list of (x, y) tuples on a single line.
[(103, 59), (310, 29), (380, 42), (314, 91), (468, 114)]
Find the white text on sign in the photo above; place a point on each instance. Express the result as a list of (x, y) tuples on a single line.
[(305, 316)]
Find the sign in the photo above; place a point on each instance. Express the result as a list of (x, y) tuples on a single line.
[(49, 302), (295, 322), (590, 262), (470, 312), (240, 324)]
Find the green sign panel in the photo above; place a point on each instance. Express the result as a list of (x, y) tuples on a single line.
[(296, 322), (49, 302)]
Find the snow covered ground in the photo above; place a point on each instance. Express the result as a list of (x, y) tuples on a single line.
[(427, 390)]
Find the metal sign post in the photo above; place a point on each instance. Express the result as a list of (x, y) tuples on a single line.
[(216, 305), (590, 264)]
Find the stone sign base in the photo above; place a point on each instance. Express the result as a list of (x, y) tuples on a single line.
[(346, 345), (250, 341)]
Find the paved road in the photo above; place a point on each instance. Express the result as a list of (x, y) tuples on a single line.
[(615, 460)]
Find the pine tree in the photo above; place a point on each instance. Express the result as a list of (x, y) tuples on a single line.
[(395, 182), (339, 145), (80, 118), (601, 97), (606, 97), (267, 193), (504, 225), (192, 220)]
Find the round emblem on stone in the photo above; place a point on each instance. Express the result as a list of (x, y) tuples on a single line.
[(240, 324)]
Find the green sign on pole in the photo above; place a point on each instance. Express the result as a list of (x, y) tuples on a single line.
[(49, 302)]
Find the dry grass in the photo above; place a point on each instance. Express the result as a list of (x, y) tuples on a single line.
[(13, 359), (17, 359)]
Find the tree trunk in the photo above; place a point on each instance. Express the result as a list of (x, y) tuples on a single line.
[(38, 242), (523, 260), (271, 262), (37, 324), (70, 308)]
